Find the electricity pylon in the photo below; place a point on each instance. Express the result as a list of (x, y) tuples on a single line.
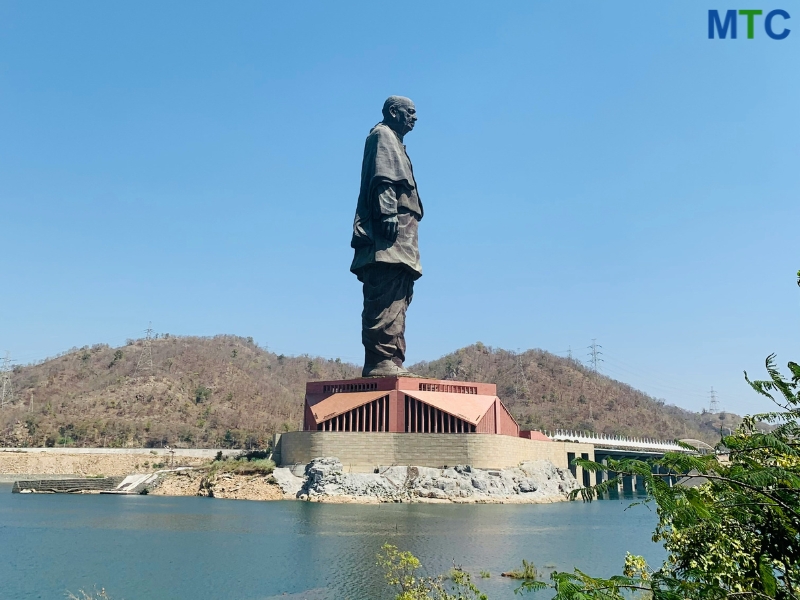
[(594, 354), (713, 405), (7, 394), (145, 362)]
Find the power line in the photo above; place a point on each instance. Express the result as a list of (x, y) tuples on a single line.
[(648, 387), (594, 354), (655, 379)]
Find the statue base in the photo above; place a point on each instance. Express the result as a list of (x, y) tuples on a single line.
[(402, 404)]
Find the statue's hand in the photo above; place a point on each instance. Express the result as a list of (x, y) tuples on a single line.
[(389, 227)]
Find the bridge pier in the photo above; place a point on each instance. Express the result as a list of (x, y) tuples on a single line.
[(586, 476), (600, 476), (669, 479), (627, 484)]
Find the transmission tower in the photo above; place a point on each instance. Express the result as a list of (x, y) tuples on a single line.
[(145, 362), (594, 355), (522, 372), (7, 394), (713, 405)]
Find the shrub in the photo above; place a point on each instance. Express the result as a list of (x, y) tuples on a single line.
[(242, 466), (201, 394), (253, 454), (400, 571), (261, 466), (528, 571)]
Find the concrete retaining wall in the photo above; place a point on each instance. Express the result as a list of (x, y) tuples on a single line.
[(188, 452), (38, 463), (362, 452)]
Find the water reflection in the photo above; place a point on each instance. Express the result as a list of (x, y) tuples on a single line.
[(196, 548)]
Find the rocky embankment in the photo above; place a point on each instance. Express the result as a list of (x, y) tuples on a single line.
[(324, 480), (532, 482)]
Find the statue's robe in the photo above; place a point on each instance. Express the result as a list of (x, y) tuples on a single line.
[(387, 187), (387, 268)]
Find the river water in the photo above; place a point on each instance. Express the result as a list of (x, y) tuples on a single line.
[(160, 548)]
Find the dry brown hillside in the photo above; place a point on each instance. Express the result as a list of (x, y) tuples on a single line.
[(545, 391), (225, 391), (222, 391)]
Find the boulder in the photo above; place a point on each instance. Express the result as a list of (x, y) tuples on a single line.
[(289, 483)]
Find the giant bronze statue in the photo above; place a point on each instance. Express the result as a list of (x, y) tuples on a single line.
[(386, 258)]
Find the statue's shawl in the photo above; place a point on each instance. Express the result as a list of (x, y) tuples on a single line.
[(385, 161)]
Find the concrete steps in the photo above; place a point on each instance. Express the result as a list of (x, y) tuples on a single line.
[(66, 486), (130, 485), (133, 484)]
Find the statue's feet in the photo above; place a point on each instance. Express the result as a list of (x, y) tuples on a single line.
[(386, 368)]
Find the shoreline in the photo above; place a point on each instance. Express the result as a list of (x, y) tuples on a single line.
[(324, 480), (264, 488)]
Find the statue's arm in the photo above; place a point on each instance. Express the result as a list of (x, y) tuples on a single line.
[(386, 199)]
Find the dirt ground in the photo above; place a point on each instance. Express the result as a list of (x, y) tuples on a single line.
[(224, 485), (182, 483), (245, 487)]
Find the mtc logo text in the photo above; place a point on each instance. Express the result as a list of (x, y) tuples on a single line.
[(720, 27)]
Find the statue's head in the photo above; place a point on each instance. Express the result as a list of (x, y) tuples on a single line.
[(400, 114)]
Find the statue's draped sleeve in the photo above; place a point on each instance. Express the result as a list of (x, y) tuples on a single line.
[(385, 200)]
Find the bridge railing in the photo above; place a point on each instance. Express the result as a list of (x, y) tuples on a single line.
[(615, 441)]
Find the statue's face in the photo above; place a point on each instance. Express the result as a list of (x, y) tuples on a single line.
[(405, 115)]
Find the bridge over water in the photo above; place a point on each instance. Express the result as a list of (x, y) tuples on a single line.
[(616, 446)]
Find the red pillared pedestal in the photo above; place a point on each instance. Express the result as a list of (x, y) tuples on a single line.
[(406, 405)]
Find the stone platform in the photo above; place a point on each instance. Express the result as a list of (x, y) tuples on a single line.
[(361, 452), (371, 422)]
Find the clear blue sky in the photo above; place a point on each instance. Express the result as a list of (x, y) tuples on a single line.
[(589, 170)]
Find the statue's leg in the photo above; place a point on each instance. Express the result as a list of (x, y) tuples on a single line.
[(387, 292), (398, 327)]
